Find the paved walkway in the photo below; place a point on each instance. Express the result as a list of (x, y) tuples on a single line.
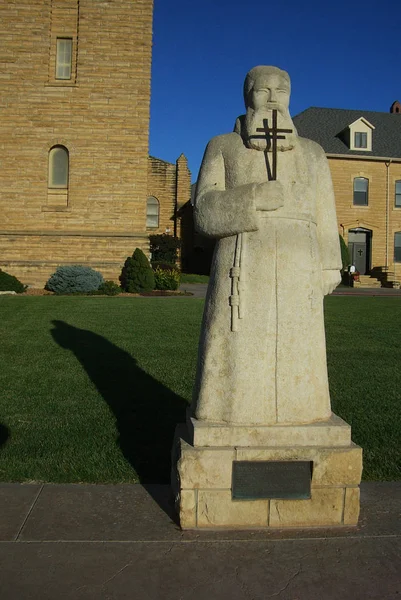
[(199, 291), (121, 542)]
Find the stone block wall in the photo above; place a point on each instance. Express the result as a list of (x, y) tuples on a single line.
[(170, 184), (101, 115)]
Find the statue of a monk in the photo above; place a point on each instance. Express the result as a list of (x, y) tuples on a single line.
[(262, 351)]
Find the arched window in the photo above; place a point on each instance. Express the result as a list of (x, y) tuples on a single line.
[(398, 193), (58, 167), (152, 212), (361, 188), (397, 246)]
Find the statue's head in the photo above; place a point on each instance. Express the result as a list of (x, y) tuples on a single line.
[(266, 89)]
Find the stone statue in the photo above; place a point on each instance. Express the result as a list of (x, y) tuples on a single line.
[(266, 195)]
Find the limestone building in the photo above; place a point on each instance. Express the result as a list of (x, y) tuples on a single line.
[(364, 153), (76, 183)]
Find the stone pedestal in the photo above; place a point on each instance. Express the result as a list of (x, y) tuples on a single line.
[(203, 455)]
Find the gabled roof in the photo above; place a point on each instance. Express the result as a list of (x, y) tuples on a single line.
[(323, 125), (364, 121)]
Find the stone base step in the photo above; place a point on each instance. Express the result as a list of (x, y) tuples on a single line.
[(373, 284), (204, 486), (366, 281)]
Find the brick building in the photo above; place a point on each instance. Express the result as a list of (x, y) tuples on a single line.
[(76, 183), (364, 153)]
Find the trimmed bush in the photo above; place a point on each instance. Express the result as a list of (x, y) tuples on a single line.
[(74, 279), (137, 274), (9, 283), (109, 288), (167, 279), (164, 248)]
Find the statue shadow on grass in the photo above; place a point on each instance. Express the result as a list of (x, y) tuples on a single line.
[(4, 434), (146, 411)]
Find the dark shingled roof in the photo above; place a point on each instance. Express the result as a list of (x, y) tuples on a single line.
[(323, 125)]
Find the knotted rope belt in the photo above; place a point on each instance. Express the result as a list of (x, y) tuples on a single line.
[(237, 274)]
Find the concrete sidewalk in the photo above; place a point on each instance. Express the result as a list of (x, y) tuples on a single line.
[(199, 291), (116, 542)]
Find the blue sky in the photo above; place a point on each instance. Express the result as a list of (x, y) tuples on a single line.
[(338, 54)]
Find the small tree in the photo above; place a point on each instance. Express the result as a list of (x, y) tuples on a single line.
[(137, 274), (164, 248), (345, 258)]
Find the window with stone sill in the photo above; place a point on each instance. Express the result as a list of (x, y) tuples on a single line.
[(58, 167), (152, 212), (397, 247), (398, 193), (361, 191), (63, 58)]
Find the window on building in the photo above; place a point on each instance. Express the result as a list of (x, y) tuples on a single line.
[(63, 58), (397, 246), (398, 193), (361, 188), (152, 212), (361, 139), (58, 167)]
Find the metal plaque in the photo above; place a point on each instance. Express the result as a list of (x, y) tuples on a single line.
[(286, 480)]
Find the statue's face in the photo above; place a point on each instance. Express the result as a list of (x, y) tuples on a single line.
[(269, 92)]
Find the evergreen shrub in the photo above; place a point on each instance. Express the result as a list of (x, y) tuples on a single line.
[(137, 274), (164, 247), (74, 279), (167, 279), (109, 288), (9, 283)]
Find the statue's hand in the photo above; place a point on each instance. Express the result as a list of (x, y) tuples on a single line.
[(331, 278), (269, 195)]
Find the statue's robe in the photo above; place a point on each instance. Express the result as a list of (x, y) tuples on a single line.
[(273, 369)]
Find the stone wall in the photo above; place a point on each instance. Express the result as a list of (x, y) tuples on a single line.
[(101, 115), (380, 216)]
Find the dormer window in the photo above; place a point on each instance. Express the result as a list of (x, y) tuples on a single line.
[(360, 139), (358, 135)]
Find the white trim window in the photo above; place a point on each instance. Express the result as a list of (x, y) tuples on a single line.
[(63, 58), (58, 167), (152, 212), (398, 193), (360, 139), (361, 191)]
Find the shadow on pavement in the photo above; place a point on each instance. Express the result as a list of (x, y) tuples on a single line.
[(146, 411)]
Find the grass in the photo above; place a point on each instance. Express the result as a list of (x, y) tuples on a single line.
[(92, 387), (193, 278)]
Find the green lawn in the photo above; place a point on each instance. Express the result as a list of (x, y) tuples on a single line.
[(91, 388), (193, 278)]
